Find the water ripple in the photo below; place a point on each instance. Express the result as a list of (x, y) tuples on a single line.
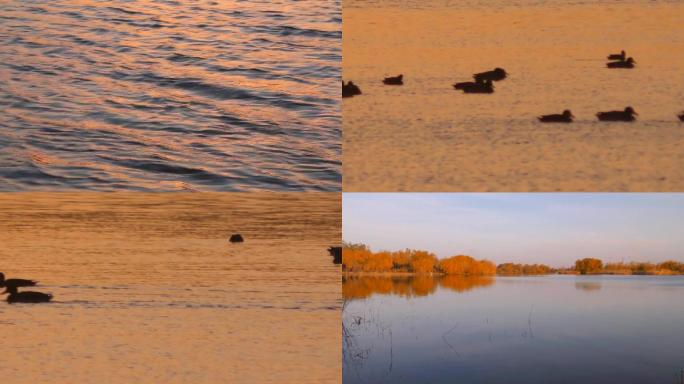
[(157, 96)]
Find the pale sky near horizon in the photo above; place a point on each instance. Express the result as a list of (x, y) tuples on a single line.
[(551, 228)]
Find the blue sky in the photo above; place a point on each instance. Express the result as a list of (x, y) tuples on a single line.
[(550, 228)]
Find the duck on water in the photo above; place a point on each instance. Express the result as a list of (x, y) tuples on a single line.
[(26, 297), (485, 86), (618, 56), (15, 282), (626, 115), (565, 117), (495, 75), (629, 63), (396, 80), (350, 89), (681, 116)]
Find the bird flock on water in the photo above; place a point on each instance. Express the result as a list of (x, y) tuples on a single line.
[(484, 83)]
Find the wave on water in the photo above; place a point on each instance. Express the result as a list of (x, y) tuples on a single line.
[(165, 96)]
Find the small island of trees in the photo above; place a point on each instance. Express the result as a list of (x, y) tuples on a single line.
[(358, 258)]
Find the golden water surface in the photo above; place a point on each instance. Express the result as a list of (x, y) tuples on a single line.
[(147, 289), (425, 136)]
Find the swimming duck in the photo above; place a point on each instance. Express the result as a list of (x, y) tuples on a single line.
[(626, 115), (681, 116), (236, 238), (565, 117), (495, 75), (26, 297), (615, 56), (464, 84), (629, 63), (350, 89), (396, 80), (15, 282), (478, 87)]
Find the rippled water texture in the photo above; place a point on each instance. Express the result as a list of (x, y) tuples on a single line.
[(425, 136), (170, 95), (147, 289), (514, 330)]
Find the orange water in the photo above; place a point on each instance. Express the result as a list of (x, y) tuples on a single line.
[(148, 289)]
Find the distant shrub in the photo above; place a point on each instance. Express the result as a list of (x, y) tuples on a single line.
[(588, 265), (512, 269)]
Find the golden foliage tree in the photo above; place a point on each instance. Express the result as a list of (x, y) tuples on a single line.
[(588, 265)]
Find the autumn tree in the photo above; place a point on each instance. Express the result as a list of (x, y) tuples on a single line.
[(588, 265), (422, 262)]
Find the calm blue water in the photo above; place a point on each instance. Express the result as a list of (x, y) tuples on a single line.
[(170, 95), (552, 329)]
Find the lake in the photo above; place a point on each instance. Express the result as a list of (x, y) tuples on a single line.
[(158, 95), (147, 288), (550, 329), (425, 136)]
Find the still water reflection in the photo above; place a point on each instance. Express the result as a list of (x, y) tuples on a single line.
[(552, 329)]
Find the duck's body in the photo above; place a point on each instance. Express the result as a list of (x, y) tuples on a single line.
[(565, 117), (681, 116), (236, 238), (495, 75), (15, 282), (396, 80), (629, 63), (26, 297), (626, 115), (479, 87), (464, 85), (615, 56), (350, 89)]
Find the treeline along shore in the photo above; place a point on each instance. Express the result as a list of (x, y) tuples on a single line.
[(359, 259)]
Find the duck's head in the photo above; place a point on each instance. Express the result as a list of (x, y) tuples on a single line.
[(631, 61), (567, 113), (631, 111)]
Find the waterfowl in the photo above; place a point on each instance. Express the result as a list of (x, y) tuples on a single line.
[(479, 87), (464, 84), (615, 56), (565, 117), (26, 297), (681, 116), (626, 115), (494, 75), (15, 282), (350, 89), (396, 80), (629, 63), (236, 238)]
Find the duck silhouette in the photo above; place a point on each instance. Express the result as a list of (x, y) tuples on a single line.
[(681, 116), (236, 238), (478, 87), (15, 282), (494, 75), (629, 63), (350, 89), (464, 85), (565, 117), (617, 56), (626, 115), (396, 80), (26, 297)]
